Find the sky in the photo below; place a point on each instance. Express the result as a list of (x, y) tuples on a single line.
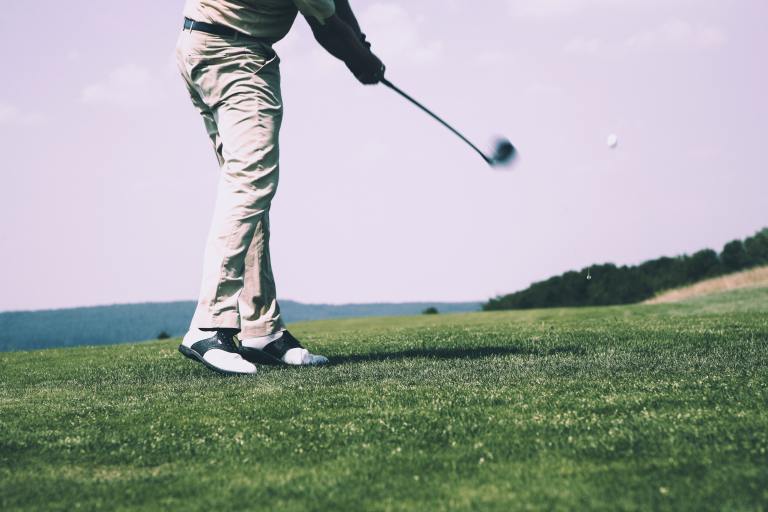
[(108, 178)]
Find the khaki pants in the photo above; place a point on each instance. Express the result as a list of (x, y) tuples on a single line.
[(235, 85)]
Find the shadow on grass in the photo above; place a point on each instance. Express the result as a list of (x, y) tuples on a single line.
[(457, 353)]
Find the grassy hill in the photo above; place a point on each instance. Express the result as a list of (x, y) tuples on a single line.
[(616, 408), (755, 277), (120, 323), (607, 284)]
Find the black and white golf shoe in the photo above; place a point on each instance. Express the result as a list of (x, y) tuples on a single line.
[(218, 351), (280, 348)]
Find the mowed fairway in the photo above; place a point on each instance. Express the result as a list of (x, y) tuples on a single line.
[(618, 408)]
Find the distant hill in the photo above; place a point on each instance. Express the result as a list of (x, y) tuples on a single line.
[(752, 278), (102, 325), (608, 284)]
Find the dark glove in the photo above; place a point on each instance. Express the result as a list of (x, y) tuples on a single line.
[(364, 41), (369, 70)]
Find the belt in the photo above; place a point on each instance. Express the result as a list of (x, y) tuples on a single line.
[(220, 30)]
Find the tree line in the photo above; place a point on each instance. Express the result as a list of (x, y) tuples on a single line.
[(627, 284)]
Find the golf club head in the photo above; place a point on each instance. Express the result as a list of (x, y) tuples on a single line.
[(503, 153)]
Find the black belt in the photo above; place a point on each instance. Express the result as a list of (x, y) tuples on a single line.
[(220, 30)]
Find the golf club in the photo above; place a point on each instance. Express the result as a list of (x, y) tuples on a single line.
[(504, 152)]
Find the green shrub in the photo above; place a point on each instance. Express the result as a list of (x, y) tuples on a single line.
[(610, 284), (734, 256)]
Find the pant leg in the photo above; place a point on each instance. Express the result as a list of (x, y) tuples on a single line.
[(259, 310), (239, 85), (208, 121)]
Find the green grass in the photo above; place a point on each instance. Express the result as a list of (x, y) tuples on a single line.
[(633, 408)]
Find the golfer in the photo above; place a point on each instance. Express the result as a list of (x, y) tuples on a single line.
[(225, 56)]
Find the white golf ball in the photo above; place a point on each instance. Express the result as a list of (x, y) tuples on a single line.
[(612, 141)]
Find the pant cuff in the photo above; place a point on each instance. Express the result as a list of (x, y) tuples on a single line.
[(261, 329), (225, 321)]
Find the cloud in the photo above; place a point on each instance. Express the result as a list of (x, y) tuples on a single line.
[(73, 55), (554, 8), (7, 112), (677, 33), (11, 114), (543, 8), (397, 34), (544, 90), (127, 86), (673, 34), (583, 46)]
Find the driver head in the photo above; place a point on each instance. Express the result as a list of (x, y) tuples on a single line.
[(503, 153)]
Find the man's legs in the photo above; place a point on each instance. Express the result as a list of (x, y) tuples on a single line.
[(236, 88)]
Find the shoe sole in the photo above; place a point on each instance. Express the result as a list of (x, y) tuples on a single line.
[(256, 356), (197, 357)]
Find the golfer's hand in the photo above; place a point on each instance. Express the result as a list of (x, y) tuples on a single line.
[(368, 70), (364, 41)]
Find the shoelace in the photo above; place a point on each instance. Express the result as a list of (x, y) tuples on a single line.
[(227, 339)]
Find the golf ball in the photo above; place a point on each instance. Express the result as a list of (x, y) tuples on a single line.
[(612, 141)]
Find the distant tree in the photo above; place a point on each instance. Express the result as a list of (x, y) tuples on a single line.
[(430, 311), (756, 248), (163, 335), (704, 263), (663, 273), (734, 256), (610, 284)]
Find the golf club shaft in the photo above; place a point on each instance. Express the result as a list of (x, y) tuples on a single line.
[(434, 116)]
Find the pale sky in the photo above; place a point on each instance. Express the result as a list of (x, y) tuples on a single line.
[(108, 177)]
